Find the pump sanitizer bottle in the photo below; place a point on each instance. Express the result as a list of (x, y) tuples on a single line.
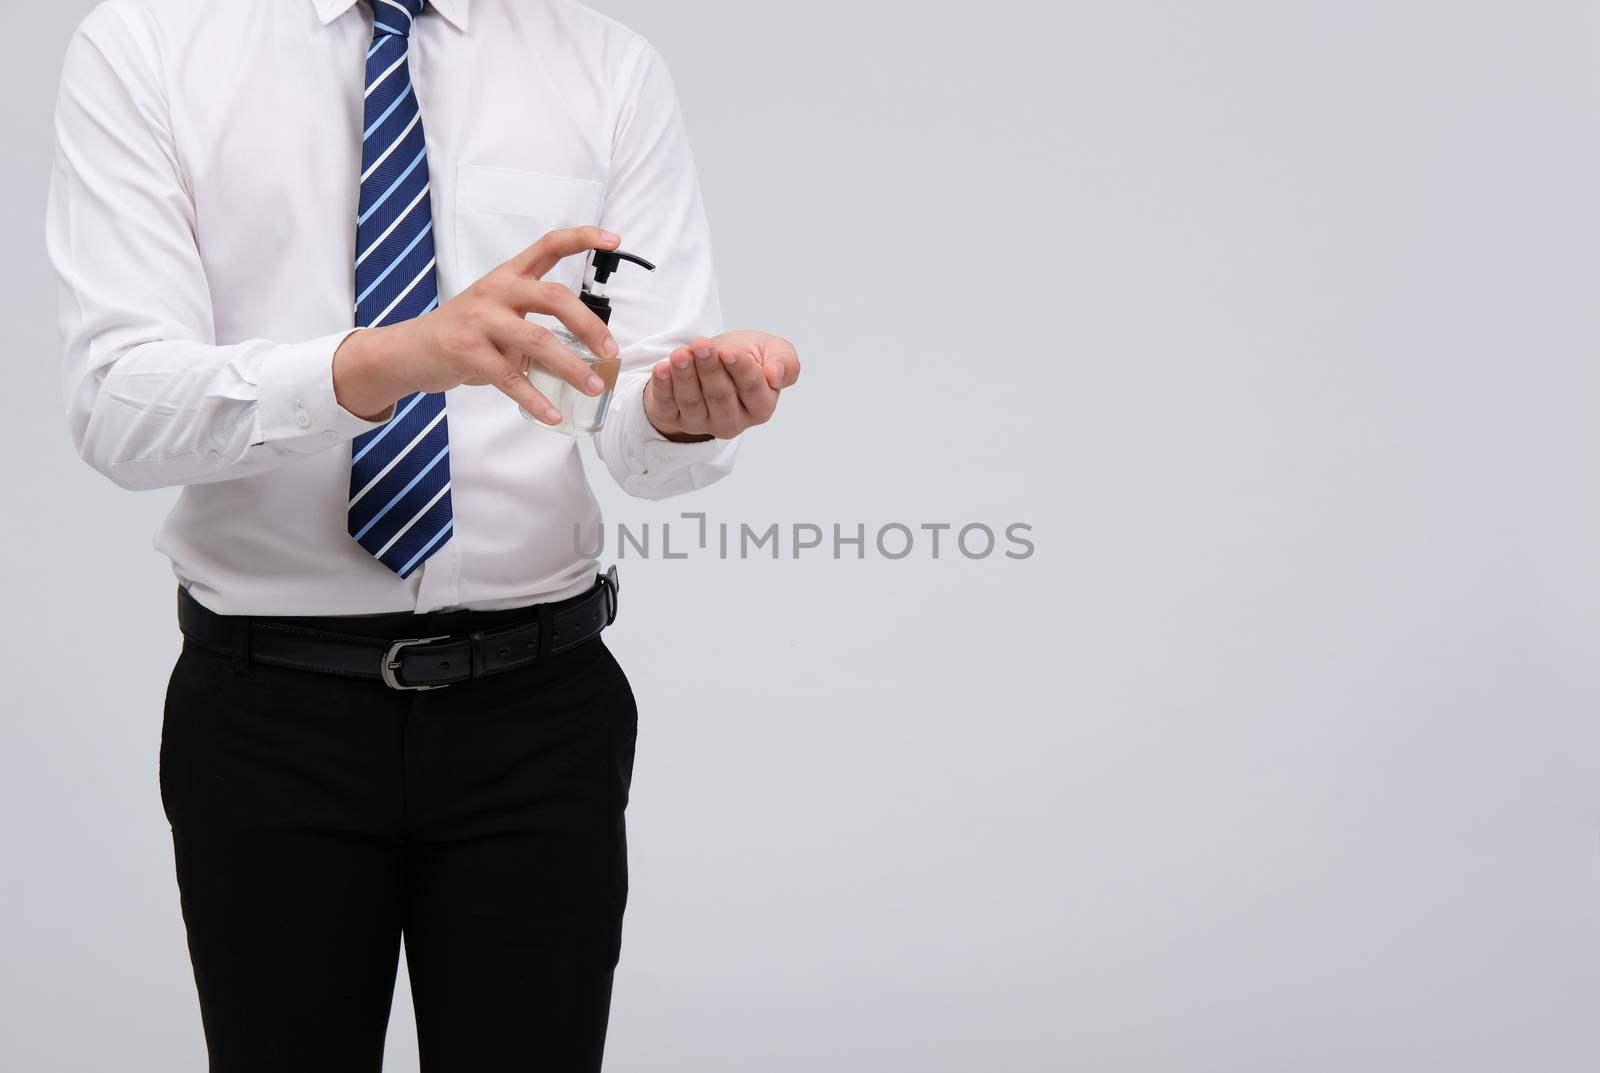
[(582, 415)]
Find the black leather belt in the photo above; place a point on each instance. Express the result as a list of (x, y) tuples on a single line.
[(406, 662)]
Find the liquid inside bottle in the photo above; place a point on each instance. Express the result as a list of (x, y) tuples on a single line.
[(581, 415)]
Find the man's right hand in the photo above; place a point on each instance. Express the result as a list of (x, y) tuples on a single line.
[(482, 336)]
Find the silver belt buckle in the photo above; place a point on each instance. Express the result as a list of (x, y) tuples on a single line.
[(391, 663)]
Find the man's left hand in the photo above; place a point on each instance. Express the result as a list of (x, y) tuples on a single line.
[(717, 388)]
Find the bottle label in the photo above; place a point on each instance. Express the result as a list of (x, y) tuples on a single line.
[(607, 370)]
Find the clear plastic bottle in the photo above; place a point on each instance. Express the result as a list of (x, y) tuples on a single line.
[(583, 415)]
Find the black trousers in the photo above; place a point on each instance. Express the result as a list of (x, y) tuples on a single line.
[(318, 820)]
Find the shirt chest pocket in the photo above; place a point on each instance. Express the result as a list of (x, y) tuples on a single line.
[(500, 212)]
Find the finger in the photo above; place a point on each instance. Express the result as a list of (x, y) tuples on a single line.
[(542, 256), (743, 370), (722, 397), (758, 398), (686, 389), (523, 341), (512, 381), (538, 296), (774, 371), (700, 347), (660, 405), (787, 362), (661, 373)]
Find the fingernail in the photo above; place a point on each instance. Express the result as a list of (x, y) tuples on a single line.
[(777, 367), (594, 385), (609, 347), (682, 363), (703, 355), (553, 416), (610, 236), (729, 358), (661, 372)]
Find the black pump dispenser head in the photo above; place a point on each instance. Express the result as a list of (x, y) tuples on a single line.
[(605, 263)]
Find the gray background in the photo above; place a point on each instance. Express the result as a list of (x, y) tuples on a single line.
[(1275, 320)]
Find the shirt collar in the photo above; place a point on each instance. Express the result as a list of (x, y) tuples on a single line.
[(454, 11)]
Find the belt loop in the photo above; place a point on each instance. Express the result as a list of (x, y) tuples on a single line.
[(613, 593), (243, 663)]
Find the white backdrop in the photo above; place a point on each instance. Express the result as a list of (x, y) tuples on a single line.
[(1275, 321)]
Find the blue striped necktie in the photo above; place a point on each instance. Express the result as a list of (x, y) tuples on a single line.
[(400, 473)]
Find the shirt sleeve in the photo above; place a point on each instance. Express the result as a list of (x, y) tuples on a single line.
[(653, 201), (151, 399)]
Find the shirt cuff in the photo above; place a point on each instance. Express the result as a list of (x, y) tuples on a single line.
[(655, 466), (298, 410)]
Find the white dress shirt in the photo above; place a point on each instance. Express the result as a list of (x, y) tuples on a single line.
[(202, 223)]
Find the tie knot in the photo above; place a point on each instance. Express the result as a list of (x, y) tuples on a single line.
[(395, 16)]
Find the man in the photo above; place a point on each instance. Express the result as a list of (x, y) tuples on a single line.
[(393, 715)]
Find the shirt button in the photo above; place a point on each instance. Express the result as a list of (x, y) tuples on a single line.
[(330, 435), (302, 419), (213, 456)]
